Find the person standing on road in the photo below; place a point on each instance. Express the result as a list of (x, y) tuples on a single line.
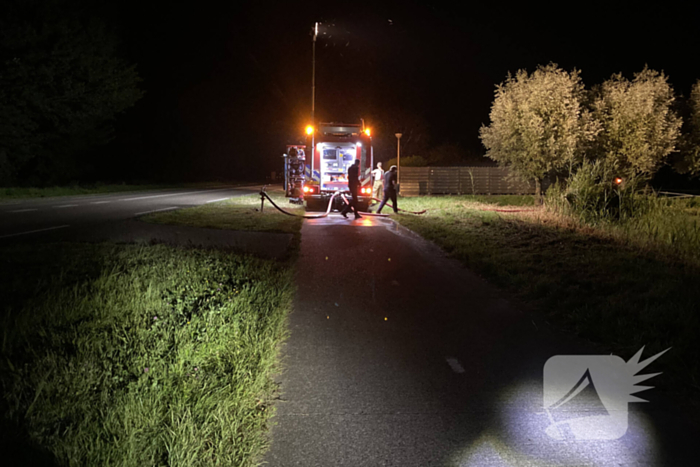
[(353, 185), (390, 189), (378, 176)]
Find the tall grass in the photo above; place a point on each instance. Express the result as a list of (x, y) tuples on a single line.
[(640, 217), (667, 225), (134, 355)]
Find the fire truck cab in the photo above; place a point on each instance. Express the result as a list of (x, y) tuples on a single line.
[(337, 146)]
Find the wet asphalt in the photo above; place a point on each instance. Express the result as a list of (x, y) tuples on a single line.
[(399, 356)]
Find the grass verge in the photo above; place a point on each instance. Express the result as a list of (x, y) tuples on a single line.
[(621, 287), (9, 193), (138, 355), (239, 213)]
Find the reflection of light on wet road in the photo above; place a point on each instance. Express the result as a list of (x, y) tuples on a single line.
[(337, 219), (519, 438), (364, 222)]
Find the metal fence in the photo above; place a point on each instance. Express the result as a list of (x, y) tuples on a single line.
[(461, 180)]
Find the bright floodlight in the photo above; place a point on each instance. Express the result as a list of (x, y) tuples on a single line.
[(367, 132), (309, 129)]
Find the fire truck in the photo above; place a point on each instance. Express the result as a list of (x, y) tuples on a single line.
[(337, 146)]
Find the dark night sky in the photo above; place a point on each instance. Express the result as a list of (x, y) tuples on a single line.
[(229, 83)]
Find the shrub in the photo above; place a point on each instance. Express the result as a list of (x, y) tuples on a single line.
[(594, 193)]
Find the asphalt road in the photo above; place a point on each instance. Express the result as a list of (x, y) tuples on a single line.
[(399, 356), (115, 218), (41, 216)]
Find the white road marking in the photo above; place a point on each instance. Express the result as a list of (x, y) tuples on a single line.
[(174, 194), (100, 202), (24, 210), (66, 206), (216, 200), (157, 210), (455, 365), (35, 231)]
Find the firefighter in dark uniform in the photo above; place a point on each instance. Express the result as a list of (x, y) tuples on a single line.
[(353, 186), (389, 189)]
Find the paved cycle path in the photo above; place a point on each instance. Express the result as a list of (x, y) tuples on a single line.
[(399, 356)]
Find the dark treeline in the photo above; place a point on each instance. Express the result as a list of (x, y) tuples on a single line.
[(61, 85), (137, 91), (108, 93), (127, 91)]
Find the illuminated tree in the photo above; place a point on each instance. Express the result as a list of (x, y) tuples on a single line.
[(538, 124), (639, 127)]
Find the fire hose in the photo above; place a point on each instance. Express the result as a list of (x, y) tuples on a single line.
[(409, 212), (264, 195), (510, 210)]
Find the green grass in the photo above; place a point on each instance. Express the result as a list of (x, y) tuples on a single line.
[(620, 288), (9, 193), (239, 213), (499, 200), (138, 355), (670, 227)]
